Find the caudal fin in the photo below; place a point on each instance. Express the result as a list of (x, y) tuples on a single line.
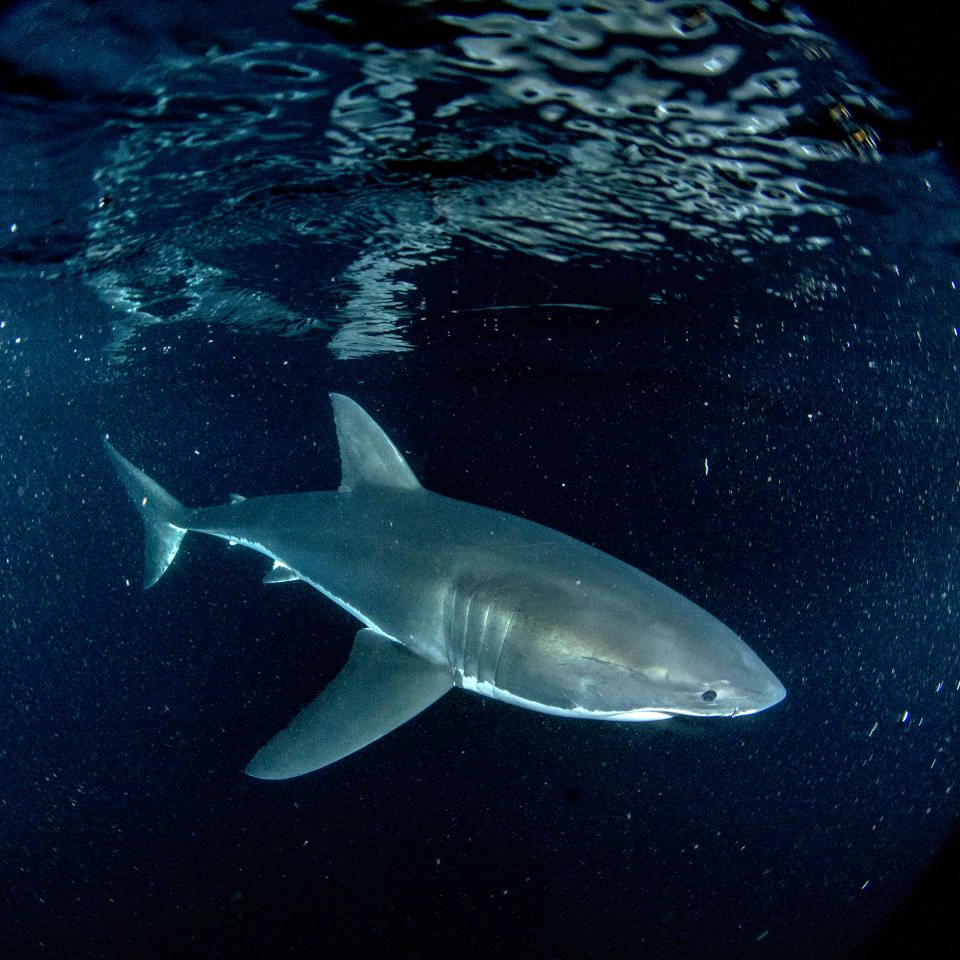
[(162, 515)]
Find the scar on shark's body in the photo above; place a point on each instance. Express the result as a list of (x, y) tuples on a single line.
[(455, 595)]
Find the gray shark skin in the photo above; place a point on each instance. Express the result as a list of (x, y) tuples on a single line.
[(456, 595)]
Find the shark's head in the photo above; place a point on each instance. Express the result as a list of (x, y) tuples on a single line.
[(668, 672), (648, 657)]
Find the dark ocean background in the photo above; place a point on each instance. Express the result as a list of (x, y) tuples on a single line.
[(677, 279)]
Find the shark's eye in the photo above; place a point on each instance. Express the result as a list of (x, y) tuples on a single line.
[(708, 696)]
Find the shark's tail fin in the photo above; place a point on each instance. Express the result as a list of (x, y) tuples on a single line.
[(162, 515)]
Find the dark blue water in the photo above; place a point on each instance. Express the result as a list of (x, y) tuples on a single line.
[(677, 280)]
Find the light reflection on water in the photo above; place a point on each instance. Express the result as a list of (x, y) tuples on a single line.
[(653, 132)]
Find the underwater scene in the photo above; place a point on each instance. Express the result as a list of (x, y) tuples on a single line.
[(535, 422)]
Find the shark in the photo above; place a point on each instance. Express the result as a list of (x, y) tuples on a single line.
[(451, 594)]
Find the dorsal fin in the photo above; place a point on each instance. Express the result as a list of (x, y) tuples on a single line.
[(367, 455)]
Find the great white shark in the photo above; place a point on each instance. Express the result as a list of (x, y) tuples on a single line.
[(456, 595)]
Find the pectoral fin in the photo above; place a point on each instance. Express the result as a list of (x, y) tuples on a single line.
[(382, 686)]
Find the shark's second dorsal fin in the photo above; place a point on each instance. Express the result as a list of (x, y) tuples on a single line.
[(367, 454)]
